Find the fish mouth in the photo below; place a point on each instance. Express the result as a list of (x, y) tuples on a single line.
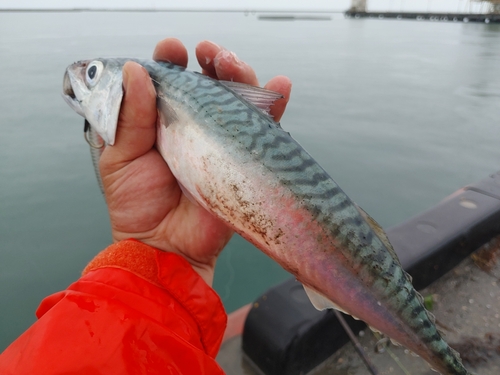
[(67, 88), (69, 95)]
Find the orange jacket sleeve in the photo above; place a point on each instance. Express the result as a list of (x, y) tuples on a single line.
[(135, 310)]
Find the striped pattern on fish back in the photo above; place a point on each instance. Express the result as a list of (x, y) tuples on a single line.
[(238, 121)]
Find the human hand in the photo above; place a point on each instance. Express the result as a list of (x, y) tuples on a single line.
[(144, 199)]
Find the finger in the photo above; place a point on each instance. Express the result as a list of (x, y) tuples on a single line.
[(205, 54), (136, 132), (171, 50), (283, 85), (219, 63), (229, 68)]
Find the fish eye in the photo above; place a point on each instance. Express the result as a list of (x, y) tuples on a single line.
[(93, 73)]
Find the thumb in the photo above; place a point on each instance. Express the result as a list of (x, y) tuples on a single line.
[(136, 130)]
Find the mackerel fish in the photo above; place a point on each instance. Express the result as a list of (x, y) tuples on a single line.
[(232, 159)]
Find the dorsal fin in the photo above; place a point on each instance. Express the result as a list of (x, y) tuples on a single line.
[(379, 231), (259, 97)]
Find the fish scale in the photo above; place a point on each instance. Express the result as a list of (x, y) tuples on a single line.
[(234, 160)]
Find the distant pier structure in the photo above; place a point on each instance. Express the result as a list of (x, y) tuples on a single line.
[(489, 12)]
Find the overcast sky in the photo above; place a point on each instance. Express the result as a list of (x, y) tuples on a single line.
[(340, 5)]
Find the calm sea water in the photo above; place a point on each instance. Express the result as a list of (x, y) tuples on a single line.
[(400, 113)]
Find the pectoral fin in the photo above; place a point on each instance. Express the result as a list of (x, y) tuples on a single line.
[(166, 113)]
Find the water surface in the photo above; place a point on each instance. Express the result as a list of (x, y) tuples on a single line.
[(400, 113)]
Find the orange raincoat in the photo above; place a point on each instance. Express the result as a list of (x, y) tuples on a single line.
[(135, 310)]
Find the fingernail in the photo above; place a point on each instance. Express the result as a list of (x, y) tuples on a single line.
[(125, 79), (126, 75), (151, 87)]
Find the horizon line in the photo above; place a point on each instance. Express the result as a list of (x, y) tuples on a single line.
[(226, 10)]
